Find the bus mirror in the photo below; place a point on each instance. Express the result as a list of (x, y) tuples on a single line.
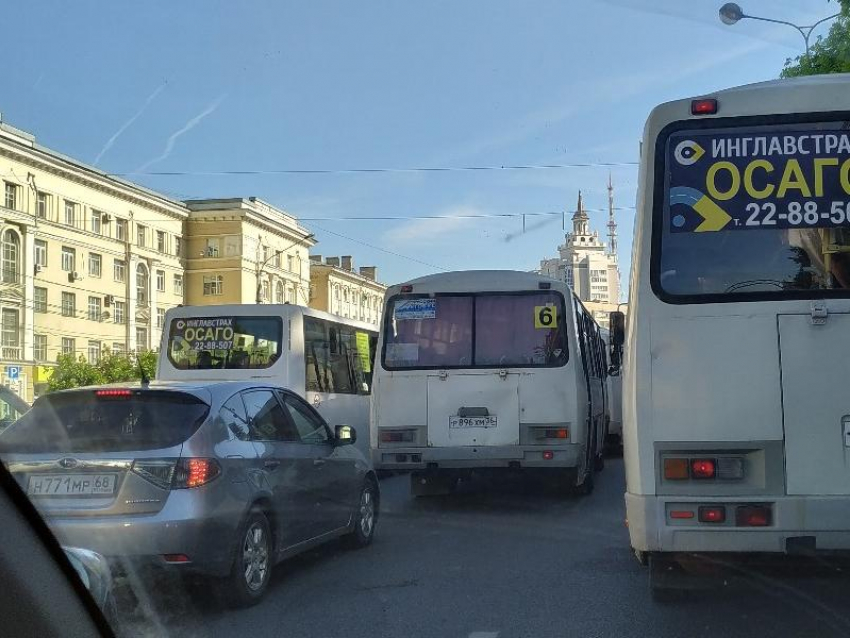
[(617, 324)]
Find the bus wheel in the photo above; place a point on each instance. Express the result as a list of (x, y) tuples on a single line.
[(599, 463), (587, 485)]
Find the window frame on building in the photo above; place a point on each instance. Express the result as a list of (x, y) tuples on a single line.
[(42, 205), (160, 318), (119, 312), (39, 347), (94, 350), (96, 221), (160, 281), (11, 257), (141, 235), (119, 266), (39, 304), (11, 196), (178, 284), (69, 304), (95, 265), (70, 207), (142, 347), (121, 229), (95, 308), (69, 345), (40, 253), (10, 337), (213, 285), (69, 259), (161, 241)]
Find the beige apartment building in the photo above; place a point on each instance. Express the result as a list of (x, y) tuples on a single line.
[(89, 262), (245, 251), (336, 287)]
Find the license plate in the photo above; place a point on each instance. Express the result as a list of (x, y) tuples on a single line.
[(463, 422), (71, 484)]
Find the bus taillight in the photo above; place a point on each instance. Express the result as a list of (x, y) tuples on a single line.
[(703, 468), (712, 514), (676, 469), (707, 106)]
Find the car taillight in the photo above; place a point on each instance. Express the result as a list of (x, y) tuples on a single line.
[(712, 514), (195, 472), (703, 468), (176, 558), (160, 472), (675, 469), (753, 516), (114, 393), (406, 436)]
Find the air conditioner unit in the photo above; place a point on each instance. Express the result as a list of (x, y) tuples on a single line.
[(37, 269), (108, 300), (106, 218), (74, 276), (105, 315)]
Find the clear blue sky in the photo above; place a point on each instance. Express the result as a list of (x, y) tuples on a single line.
[(195, 86)]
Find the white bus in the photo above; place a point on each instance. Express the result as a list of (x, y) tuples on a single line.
[(736, 417), (484, 370), (324, 358)]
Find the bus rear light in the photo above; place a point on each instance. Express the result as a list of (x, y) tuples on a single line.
[(712, 514), (730, 468), (407, 288), (548, 455), (676, 469), (703, 468), (707, 106), (753, 516), (406, 436), (176, 558), (681, 514), (561, 433)]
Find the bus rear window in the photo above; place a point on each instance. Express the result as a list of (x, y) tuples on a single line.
[(489, 330), (208, 343), (755, 211)]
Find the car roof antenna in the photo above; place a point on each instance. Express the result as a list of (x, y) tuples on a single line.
[(146, 380)]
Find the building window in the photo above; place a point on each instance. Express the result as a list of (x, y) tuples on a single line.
[(70, 213), (69, 346), (42, 205), (95, 264), (69, 304), (213, 247), (39, 347), (40, 253), (160, 280), (264, 295), (213, 285), (11, 254), (178, 285), (118, 347), (292, 298), (95, 308), (289, 262), (119, 270), (11, 337), (94, 351), (69, 259), (178, 246), (120, 312), (121, 229), (232, 246), (277, 259), (160, 241), (141, 339), (39, 299), (142, 285), (160, 318), (95, 221), (141, 235), (11, 196), (278, 293)]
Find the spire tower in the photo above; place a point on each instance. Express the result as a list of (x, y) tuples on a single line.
[(612, 223)]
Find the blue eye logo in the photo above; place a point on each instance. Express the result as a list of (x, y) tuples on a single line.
[(688, 152)]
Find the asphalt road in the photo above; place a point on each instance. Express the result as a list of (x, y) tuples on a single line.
[(497, 559)]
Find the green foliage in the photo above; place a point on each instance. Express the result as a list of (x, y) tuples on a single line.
[(72, 372), (830, 54)]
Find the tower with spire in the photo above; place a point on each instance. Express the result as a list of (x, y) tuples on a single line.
[(586, 263)]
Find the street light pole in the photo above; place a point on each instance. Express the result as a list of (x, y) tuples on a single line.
[(260, 267), (730, 13)]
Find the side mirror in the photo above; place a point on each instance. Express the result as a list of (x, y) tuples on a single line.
[(344, 435), (617, 326)]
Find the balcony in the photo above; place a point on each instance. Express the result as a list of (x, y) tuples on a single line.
[(11, 353)]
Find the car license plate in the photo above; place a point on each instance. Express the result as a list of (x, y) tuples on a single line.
[(71, 484), (464, 422)]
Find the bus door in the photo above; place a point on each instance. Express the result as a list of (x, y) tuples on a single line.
[(814, 351)]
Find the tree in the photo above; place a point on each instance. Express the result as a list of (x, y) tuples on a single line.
[(73, 372), (830, 54)]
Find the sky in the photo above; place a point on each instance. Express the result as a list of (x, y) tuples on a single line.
[(203, 86)]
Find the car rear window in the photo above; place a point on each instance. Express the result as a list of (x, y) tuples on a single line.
[(106, 421)]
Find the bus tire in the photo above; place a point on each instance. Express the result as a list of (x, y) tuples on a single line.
[(585, 488), (599, 463)]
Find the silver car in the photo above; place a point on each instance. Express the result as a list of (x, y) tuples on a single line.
[(224, 478)]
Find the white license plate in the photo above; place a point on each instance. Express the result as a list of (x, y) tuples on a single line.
[(463, 422), (71, 484)]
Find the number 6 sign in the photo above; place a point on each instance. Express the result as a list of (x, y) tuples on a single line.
[(545, 317)]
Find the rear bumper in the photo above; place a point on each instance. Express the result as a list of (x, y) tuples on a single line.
[(206, 538), (420, 458), (825, 519)]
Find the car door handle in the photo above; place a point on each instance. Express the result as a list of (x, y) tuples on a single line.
[(271, 465), (318, 462)]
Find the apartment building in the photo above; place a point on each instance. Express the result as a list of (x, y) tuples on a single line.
[(89, 262), (245, 250), (336, 287)]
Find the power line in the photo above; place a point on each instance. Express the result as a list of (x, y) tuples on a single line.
[(413, 169), (459, 216)]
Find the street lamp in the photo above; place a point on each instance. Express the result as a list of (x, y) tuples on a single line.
[(272, 256), (730, 13)]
